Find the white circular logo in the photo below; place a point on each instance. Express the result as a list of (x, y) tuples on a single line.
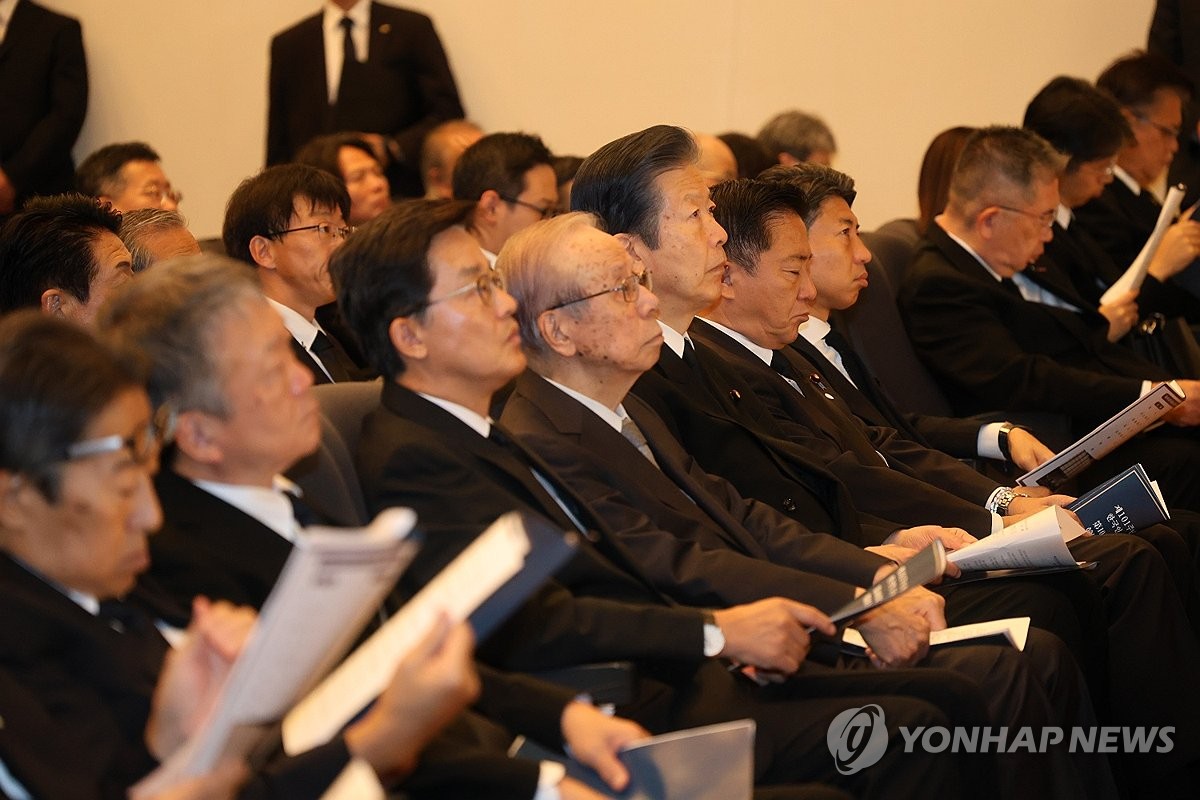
[(857, 738)]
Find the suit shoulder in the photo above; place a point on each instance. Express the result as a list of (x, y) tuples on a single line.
[(396, 14), (298, 32)]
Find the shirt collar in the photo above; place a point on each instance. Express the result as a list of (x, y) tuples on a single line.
[(302, 330), (490, 256), (815, 330), (1127, 179), (613, 418), (359, 13), (975, 255), (674, 339), (480, 424), (764, 354), (270, 506), (1064, 216)]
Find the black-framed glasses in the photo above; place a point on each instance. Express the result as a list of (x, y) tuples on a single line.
[(1166, 130), (323, 228), (486, 286), (627, 287), (1045, 219), (545, 213)]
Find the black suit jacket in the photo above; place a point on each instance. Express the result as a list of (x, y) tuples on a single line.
[(870, 402), (917, 486), (43, 99), (404, 88), (720, 422), (1119, 220), (726, 549), (75, 697), (988, 345)]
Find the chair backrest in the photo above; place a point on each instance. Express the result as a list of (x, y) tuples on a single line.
[(876, 330), (893, 246), (328, 477)]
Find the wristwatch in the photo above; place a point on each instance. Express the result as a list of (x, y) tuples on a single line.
[(1002, 500), (1002, 438), (714, 639)]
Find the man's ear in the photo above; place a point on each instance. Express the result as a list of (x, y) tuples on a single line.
[(985, 221), (262, 252), (488, 206), (52, 302), (787, 159), (408, 337), (555, 335), (633, 245), (196, 436), (727, 281)]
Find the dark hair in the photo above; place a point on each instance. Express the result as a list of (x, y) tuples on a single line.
[(937, 168), (265, 203), (746, 209), (48, 245), (382, 272), (798, 133), (100, 173), (54, 379), (1133, 79), (616, 183), (997, 162), (815, 183), (322, 152), (565, 168), (752, 157), (1078, 119), (498, 162)]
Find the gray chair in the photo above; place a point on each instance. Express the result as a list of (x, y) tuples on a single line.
[(893, 245)]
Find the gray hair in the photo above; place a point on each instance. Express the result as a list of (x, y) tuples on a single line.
[(1001, 164), (797, 133), (136, 226), (168, 319), (537, 273)]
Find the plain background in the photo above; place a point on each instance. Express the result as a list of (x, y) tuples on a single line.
[(190, 77)]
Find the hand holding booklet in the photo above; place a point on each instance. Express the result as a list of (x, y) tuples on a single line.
[(1039, 540), (1136, 274), (1113, 432), (1125, 503)]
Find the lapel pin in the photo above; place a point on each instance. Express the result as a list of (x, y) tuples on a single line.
[(735, 394), (385, 28)]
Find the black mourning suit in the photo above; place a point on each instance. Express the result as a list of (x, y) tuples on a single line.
[(43, 100), (403, 89), (416, 454)]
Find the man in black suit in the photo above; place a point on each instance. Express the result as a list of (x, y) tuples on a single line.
[(43, 100), (286, 222), (1151, 92), (364, 67), (986, 329), (431, 314)]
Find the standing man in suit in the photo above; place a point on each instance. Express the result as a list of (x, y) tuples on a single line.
[(43, 100), (286, 222), (364, 67)]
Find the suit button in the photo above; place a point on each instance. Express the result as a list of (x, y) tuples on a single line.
[(735, 394), (789, 504)]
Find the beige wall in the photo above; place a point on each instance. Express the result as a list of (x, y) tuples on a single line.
[(190, 77)]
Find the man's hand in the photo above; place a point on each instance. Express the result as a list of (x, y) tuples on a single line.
[(431, 685), (1180, 246), (770, 634), (895, 552), (596, 740), (1121, 313), (922, 536), (1187, 413), (897, 633), (220, 784), (194, 672), (1026, 450)]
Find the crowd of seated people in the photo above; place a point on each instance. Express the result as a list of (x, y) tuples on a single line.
[(653, 347)]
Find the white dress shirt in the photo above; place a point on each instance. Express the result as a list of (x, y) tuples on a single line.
[(331, 24), (302, 330)]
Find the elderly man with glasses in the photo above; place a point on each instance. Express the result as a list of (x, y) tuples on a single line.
[(287, 221)]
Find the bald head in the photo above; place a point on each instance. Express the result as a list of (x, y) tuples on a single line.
[(717, 161), (440, 152)]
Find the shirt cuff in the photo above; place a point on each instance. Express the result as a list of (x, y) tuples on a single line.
[(987, 444), (550, 775), (1146, 387)]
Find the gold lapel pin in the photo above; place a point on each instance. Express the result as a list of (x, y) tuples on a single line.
[(385, 28)]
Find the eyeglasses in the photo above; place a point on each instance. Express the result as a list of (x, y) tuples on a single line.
[(157, 196), (143, 446), (545, 213), (1045, 219), (1166, 130), (486, 285), (324, 229), (628, 289)]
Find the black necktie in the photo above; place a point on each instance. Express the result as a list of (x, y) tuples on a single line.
[(140, 640), (349, 54), (855, 368), (301, 511), (689, 354), (327, 352), (1010, 286)]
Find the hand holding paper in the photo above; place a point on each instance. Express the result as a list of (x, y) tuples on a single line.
[(1136, 274), (1179, 247)]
